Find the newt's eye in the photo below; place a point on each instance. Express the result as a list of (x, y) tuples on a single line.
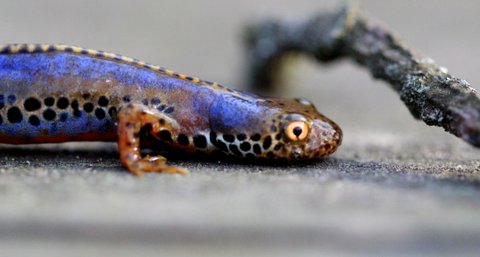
[(296, 131)]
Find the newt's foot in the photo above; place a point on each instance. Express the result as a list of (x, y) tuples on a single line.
[(131, 119), (153, 164)]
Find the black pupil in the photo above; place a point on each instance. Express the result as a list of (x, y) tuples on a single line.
[(297, 131)]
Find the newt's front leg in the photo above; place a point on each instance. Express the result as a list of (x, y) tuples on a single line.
[(131, 119)]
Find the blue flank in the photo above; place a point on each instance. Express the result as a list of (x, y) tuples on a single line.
[(224, 111), (24, 67), (235, 115), (22, 70)]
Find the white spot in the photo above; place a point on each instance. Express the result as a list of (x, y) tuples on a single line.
[(304, 101)]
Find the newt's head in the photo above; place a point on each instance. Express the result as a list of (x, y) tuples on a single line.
[(301, 132), (274, 129)]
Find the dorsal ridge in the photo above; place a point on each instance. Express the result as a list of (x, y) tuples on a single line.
[(45, 48)]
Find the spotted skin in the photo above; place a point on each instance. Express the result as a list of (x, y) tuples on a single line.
[(60, 93)]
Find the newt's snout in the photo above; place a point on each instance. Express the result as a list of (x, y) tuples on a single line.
[(324, 139)]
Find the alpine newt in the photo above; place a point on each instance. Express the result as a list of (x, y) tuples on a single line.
[(59, 93)]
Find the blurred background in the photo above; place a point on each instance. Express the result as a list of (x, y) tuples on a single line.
[(395, 187)]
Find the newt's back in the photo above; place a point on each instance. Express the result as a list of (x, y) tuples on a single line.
[(47, 95)]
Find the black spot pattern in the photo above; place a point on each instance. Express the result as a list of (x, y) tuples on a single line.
[(88, 107), (1, 120), (74, 104), (34, 120), (165, 135), (222, 146), (127, 99), (183, 139), (155, 101), (14, 115), (103, 101), (32, 104), (161, 107), (241, 137), (229, 138), (267, 142), (169, 110), (100, 113), (213, 138), (49, 114), (2, 101), (256, 137), (245, 146), (234, 150), (62, 103), (49, 101), (257, 149), (200, 141)]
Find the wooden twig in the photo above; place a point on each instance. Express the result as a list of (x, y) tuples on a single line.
[(429, 92)]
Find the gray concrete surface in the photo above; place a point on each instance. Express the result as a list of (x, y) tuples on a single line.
[(395, 188)]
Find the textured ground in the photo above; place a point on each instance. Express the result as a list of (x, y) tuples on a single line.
[(396, 187)]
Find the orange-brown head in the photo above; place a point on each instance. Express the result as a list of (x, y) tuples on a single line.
[(302, 132)]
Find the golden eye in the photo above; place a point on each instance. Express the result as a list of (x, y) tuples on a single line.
[(297, 130)]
